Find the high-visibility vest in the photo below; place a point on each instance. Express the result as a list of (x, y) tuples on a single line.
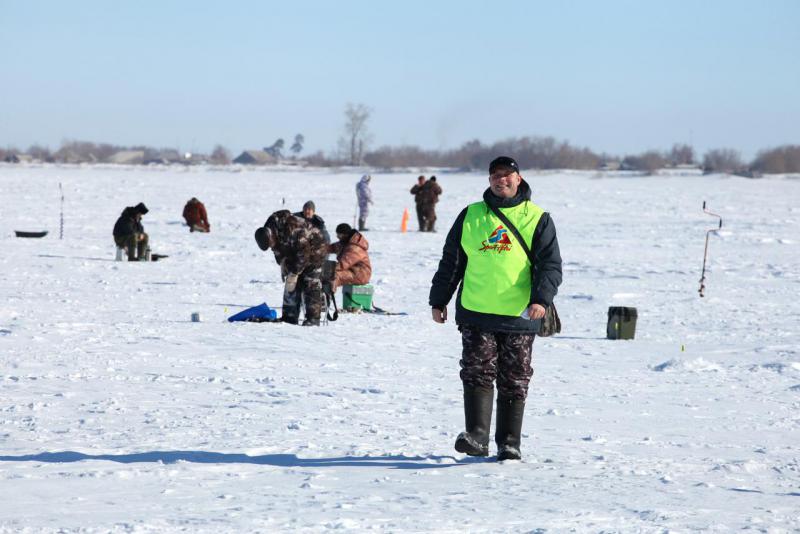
[(497, 278)]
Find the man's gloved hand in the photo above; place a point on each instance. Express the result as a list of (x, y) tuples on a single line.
[(291, 282)]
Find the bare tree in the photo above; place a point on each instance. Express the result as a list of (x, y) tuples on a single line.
[(297, 146), (41, 153), (75, 151), (276, 150), (778, 160), (220, 155), (681, 155), (318, 159), (356, 137), (649, 162), (8, 151), (722, 160)]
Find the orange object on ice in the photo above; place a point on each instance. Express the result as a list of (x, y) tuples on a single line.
[(404, 223)]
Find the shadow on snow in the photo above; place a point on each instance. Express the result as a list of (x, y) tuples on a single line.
[(75, 257), (277, 460)]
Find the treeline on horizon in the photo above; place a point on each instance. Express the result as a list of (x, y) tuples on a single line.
[(530, 152)]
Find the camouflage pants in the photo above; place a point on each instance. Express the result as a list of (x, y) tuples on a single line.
[(309, 291), (135, 247), (421, 217), (429, 215), (487, 356)]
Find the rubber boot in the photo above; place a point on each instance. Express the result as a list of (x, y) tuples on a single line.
[(478, 419), (509, 428), (362, 224)]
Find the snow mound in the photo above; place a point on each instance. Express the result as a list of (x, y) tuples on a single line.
[(746, 466), (779, 367), (693, 366)]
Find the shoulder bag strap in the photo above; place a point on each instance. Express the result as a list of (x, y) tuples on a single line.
[(513, 230), (551, 322)]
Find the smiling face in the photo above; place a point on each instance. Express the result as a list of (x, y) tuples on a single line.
[(504, 182)]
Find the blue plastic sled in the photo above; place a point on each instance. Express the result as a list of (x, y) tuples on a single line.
[(256, 314)]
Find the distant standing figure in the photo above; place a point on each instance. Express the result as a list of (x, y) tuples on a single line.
[(364, 194), (417, 192), (309, 213), (352, 261), (129, 232), (196, 217), (430, 196)]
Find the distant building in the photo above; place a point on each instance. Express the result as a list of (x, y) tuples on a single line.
[(171, 155), (748, 173), (688, 166), (192, 158), (70, 156), (610, 165), (255, 157), (19, 158), (127, 157)]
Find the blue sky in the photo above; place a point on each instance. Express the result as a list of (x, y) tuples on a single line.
[(617, 76)]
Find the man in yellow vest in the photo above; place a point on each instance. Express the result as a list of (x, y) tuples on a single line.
[(502, 297)]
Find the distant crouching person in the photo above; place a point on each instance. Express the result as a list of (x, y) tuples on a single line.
[(196, 217)]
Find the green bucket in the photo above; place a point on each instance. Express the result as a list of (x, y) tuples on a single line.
[(357, 297)]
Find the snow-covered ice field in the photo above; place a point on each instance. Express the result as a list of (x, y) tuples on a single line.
[(120, 414)]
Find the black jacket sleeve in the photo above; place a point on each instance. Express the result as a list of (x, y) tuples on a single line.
[(451, 266), (547, 262), (124, 226)]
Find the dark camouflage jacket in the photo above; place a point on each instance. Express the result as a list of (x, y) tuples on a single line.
[(299, 243), (417, 192), (429, 193), (317, 222)]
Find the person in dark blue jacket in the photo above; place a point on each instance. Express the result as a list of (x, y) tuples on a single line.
[(309, 213)]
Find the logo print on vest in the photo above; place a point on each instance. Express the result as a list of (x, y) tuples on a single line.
[(498, 241)]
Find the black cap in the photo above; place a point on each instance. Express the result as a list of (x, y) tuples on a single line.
[(309, 204), (503, 161), (344, 229), (262, 239), (433, 178), (140, 208)]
